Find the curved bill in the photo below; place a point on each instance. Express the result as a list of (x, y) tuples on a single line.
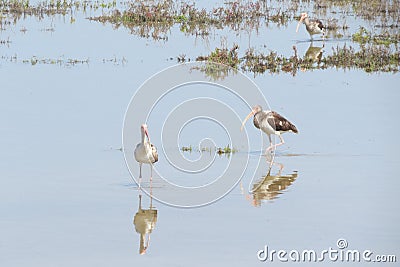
[(147, 134), (298, 24), (145, 131), (247, 117)]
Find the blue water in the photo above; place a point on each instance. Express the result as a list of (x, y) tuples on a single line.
[(67, 197)]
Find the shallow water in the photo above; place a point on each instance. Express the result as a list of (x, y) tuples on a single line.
[(68, 198)]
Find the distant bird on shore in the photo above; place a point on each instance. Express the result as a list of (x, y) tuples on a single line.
[(313, 26), (145, 152), (270, 122)]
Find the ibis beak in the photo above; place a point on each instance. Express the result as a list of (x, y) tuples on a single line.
[(146, 132), (298, 24), (248, 116)]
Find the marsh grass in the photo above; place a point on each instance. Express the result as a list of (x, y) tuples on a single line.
[(154, 19), (363, 36), (371, 57)]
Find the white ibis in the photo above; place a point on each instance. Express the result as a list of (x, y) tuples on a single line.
[(313, 26), (145, 152), (270, 122)]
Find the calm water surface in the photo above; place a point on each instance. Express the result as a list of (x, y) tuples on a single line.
[(67, 197)]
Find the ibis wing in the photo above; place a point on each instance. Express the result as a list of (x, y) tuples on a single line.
[(279, 123), (320, 25), (154, 152)]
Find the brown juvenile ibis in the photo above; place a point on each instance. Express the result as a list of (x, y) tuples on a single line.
[(313, 26), (270, 122)]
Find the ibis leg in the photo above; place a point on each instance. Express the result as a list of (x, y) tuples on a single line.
[(281, 143), (151, 172), (270, 145)]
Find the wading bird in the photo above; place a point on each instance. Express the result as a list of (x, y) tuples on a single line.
[(313, 26), (145, 152), (270, 122)]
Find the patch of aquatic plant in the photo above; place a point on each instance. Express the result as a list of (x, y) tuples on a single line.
[(388, 12), (187, 148), (258, 62), (13, 10), (333, 25), (220, 150), (5, 42), (216, 72), (226, 150), (50, 61), (115, 60), (371, 58), (155, 18), (61, 61), (363, 36), (225, 56), (51, 6)]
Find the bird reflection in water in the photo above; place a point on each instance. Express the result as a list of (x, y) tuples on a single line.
[(145, 221), (314, 53), (270, 186)]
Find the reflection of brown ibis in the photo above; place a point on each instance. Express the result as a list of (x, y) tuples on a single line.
[(270, 122), (314, 53), (270, 186), (145, 152)]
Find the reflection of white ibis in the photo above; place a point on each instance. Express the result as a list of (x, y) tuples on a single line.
[(313, 26), (270, 122), (145, 222), (145, 152)]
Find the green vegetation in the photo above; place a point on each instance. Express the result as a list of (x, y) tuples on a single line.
[(370, 57), (363, 36), (224, 150), (378, 48), (187, 148), (228, 57)]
